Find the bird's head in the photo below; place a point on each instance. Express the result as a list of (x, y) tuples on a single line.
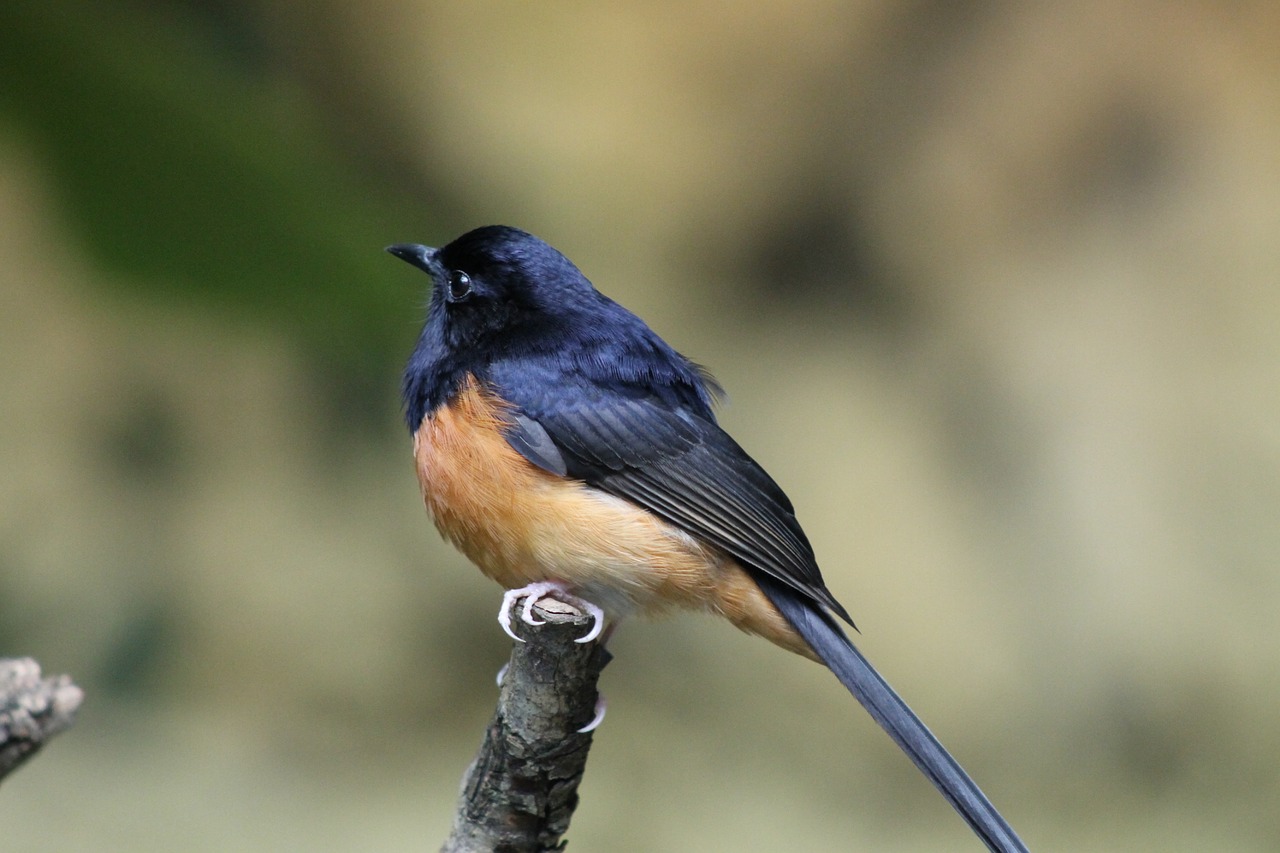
[(498, 280)]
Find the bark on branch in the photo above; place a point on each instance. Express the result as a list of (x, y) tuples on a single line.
[(520, 792), (32, 710)]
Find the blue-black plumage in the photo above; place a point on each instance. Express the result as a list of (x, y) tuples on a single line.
[(560, 439)]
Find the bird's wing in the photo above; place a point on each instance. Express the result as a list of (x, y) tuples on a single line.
[(674, 462), (677, 463)]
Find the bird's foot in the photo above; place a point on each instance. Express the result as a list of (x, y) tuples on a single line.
[(535, 592)]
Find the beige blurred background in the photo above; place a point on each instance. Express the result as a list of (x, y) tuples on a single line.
[(993, 289)]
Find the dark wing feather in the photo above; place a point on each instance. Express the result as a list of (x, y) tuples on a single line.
[(678, 465), (533, 443)]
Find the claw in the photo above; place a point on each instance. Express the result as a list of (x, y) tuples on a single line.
[(504, 615), (597, 626), (598, 718), (535, 592), (502, 673)]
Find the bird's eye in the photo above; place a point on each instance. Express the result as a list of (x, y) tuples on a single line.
[(459, 285)]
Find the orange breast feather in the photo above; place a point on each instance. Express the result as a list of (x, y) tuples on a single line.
[(521, 524)]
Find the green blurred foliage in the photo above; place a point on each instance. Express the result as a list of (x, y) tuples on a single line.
[(194, 175)]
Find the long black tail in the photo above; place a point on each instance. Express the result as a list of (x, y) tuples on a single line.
[(888, 709)]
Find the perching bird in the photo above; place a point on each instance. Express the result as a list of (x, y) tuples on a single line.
[(561, 443)]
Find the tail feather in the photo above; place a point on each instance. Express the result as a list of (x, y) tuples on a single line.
[(887, 708)]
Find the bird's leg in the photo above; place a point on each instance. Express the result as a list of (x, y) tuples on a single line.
[(535, 592)]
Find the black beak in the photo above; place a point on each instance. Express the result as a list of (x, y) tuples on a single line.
[(422, 257)]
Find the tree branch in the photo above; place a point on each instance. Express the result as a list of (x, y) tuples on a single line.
[(32, 710), (520, 792)]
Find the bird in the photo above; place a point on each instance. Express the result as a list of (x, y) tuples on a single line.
[(565, 448)]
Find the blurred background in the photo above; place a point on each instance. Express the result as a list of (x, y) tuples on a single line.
[(993, 289)]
